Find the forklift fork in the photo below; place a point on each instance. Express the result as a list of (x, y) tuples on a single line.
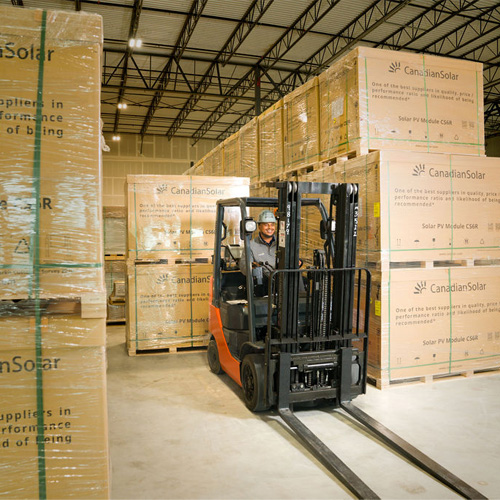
[(349, 479)]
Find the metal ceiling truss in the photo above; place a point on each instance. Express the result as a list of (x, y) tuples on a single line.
[(241, 31), (164, 77), (304, 23), (134, 24)]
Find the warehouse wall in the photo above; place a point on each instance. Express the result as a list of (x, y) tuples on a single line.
[(159, 156), (493, 146)]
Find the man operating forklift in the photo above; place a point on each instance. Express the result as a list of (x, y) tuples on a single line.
[(263, 246)]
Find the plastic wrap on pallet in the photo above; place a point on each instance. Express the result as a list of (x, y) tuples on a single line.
[(271, 154), (116, 270), (167, 306), (50, 164), (425, 207), (174, 216), (214, 161), (231, 151), (249, 150), (379, 99), (115, 230), (301, 126), (53, 415), (433, 322)]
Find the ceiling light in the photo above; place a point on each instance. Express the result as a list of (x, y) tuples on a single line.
[(135, 42), (116, 138), (122, 105)]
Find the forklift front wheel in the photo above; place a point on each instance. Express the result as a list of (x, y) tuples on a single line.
[(213, 357), (252, 380)]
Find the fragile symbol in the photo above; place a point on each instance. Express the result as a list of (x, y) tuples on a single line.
[(22, 247)]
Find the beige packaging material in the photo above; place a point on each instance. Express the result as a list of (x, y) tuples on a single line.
[(232, 155), (199, 168), (116, 312), (115, 230), (425, 207), (301, 125), (173, 216), (249, 150), (167, 305), (381, 99), (53, 421), (271, 154), (413, 334), (50, 165), (116, 270)]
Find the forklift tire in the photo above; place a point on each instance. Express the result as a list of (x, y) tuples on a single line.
[(213, 358), (252, 381)]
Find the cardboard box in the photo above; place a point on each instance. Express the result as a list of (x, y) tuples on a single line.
[(50, 164), (249, 150), (381, 99), (271, 154), (174, 216), (53, 424), (413, 334), (213, 163), (115, 230), (232, 156), (116, 270), (301, 125), (167, 305), (425, 207)]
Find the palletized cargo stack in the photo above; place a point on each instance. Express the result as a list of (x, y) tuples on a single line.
[(52, 295), (409, 128), (115, 245), (428, 225), (171, 221)]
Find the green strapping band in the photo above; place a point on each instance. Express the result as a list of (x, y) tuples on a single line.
[(136, 321), (426, 108), (191, 301), (135, 220), (367, 114), (388, 322), (451, 321), (42, 476), (451, 208)]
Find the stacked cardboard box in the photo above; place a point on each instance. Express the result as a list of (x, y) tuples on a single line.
[(171, 222), (115, 230), (231, 149), (378, 99), (301, 126), (271, 154), (249, 151), (52, 295)]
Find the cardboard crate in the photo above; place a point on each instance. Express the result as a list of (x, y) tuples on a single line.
[(379, 99), (50, 164), (116, 270), (54, 437), (301, 126), (413, 334), (425, 207), (213, 162), (232, 156), (167, 305), (249, 150), (173, 216), (271, 154)]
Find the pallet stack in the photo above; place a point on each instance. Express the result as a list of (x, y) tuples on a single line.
[(52, 296), (171, 221), (115, 247), (409, 129)]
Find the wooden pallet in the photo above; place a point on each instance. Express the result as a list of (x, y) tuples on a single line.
[(198, 346), (120, 321), (87, 306), (117, 256), (196, 260), (304, 169), (385, 383), (344, 156)]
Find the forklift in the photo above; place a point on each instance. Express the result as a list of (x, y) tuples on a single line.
[(295, 335)]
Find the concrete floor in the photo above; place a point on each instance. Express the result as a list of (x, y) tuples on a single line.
[(177, 431)]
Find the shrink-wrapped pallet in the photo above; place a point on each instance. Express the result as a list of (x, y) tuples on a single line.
[(249, 151), (232, 156), (271, 155), (375, 99)]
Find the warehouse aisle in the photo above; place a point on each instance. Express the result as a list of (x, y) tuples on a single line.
[(178, 431)]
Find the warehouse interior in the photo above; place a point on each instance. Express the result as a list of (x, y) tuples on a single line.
[(228, 96)]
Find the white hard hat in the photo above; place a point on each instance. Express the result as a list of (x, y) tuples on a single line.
[(266, 216)]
